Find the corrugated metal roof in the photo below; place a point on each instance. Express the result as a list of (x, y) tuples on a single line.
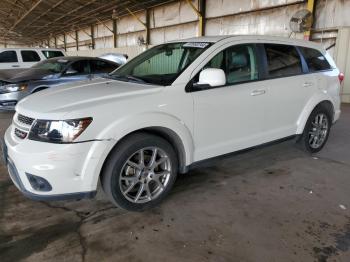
[(32, 20)]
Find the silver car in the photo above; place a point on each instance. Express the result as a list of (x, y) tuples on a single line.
[(54, 71)]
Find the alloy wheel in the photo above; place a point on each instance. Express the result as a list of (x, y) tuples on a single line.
[(145, 175), (318, 131)]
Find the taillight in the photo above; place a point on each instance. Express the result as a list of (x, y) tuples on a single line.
[(341, 77)]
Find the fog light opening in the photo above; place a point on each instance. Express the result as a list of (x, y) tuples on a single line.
[(39, 183)]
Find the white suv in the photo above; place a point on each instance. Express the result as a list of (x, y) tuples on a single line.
[(12, 58), (172, 106)]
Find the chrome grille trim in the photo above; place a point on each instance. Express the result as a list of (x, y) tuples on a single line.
[(25, 120)]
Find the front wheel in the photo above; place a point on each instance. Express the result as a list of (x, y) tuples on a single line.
[(316, 130), (140, 172)]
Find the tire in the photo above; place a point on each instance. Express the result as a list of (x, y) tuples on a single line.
[(315, 135), (126, 173)]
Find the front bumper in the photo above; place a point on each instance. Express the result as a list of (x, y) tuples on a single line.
[(72, 170), (8, 101)]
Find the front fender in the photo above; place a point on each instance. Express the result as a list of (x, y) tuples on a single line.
[(124, 126), (309, 107), (117, 130)]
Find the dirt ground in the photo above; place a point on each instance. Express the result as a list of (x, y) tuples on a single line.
[(271, 204)]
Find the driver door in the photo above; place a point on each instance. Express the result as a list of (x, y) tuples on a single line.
[(230, 117)]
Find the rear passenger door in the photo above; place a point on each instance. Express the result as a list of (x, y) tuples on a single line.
[(288, 89), (29, 58), (9, 59)]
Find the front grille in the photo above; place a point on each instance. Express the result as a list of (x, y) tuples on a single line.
[(20, 134), (25, 119)]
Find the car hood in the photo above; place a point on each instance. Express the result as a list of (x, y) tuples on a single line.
[(58, 101), (6, 74), (28, 75)]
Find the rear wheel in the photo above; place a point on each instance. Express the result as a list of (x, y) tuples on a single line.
[(140, 172), (316, 130)]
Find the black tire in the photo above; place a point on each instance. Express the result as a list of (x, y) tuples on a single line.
[(116, 164), (304, 140)]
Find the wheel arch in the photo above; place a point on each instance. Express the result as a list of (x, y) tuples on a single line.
[(169, 135), (326, 103), (39, 88)]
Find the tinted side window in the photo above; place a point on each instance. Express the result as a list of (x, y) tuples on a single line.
[(314, 59), (30, 56), (80, 67), (282, 60), (241, 64), (238, 62), (100, 67), (50, 54), (8, 57)]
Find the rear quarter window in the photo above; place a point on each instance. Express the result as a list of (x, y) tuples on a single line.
[(315, 60)]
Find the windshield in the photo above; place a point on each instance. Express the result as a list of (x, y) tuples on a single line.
[(54, 66), (162, 64)]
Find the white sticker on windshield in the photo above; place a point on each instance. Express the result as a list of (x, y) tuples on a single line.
[(196, 45)]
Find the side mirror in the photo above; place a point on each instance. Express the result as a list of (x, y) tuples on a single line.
[(211, 77), (71, 72)]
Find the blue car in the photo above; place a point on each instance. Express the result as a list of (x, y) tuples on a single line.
[(54, 71)]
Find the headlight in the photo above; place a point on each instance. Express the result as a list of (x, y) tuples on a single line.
[(14, 88), (55, 131)]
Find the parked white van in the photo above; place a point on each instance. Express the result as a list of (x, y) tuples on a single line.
[(167, 110), (12, 58)]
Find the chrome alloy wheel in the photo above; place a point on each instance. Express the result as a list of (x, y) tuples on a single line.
[(319, 131), (145, 175)]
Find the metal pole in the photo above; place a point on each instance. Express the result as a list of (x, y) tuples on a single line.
[(311, 8)]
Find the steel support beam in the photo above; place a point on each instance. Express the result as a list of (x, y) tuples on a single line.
[(148, 32), (145, 24), (115, 33), (92, 37), (199, 14), (26, 14), (311, 8), (76, 39), (64, 42)]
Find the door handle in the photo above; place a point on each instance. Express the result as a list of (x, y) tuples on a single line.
[(308, 84), (258, 92), (15, 65)]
